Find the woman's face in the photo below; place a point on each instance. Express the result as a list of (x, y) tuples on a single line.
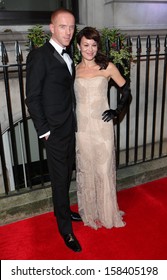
[(88, 48)]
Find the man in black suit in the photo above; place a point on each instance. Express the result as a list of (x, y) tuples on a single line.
[(50, 101)]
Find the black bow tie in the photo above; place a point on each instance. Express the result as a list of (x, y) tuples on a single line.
[(64, 51)]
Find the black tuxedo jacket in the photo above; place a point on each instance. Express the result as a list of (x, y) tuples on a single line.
[(49, 91)]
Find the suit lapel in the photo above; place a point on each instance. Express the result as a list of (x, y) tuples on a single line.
[(73, 70), (59, 58), (55, 53)]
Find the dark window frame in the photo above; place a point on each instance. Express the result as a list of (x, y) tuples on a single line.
[(31, 17), (24, 17)]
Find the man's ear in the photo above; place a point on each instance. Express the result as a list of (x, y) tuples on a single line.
[(51, 26)]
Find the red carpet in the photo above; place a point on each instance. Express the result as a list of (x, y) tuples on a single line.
[(143, 238)]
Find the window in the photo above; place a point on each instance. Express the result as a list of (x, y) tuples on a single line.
[(19, 12)]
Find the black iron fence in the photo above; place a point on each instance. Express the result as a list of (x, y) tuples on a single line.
[(149, 103), (140, 136)]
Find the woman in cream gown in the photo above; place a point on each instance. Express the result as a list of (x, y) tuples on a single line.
[(95, 148)]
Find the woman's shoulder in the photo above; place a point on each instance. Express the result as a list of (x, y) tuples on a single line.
[(110, 66)]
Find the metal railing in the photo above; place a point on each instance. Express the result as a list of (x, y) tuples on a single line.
[(150, 87), (141, 135)]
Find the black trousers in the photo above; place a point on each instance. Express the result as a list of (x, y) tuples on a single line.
[(60, 152)]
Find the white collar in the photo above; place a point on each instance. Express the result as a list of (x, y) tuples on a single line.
[(56, 46)]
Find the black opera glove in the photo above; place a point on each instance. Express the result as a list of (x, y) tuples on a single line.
[(109, 115), (112, 114)]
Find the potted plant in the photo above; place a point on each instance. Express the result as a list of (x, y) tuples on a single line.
[(37, 36), (114, 43)]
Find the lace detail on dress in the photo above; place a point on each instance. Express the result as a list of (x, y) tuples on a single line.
[(95, 156)]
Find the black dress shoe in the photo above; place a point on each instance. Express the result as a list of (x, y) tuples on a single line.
[(71, 242), (75, 217)]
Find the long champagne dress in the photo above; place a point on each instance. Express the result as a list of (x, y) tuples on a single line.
[(95, 156)]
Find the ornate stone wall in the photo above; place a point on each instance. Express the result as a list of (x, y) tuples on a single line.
[(125, 15)]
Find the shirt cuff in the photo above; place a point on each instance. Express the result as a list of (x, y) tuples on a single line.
[(46, 134)]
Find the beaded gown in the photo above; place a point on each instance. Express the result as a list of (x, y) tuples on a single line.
[(95, 156)]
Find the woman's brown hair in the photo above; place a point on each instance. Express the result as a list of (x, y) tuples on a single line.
[(91, 33)]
